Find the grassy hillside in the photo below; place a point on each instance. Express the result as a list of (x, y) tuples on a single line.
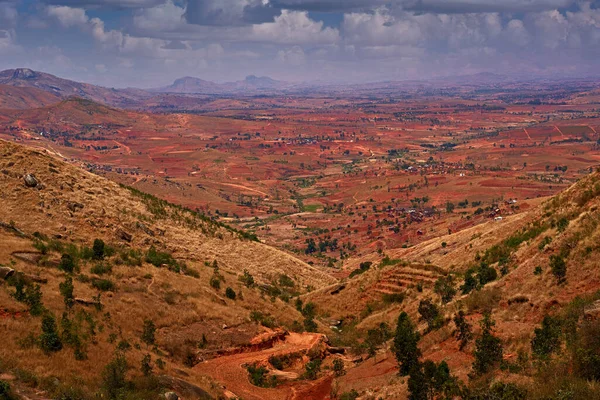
[(537, 274), (106, 265)]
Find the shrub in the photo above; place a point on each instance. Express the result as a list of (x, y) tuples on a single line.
[(66, 290), (215, 282), (310, 325), (444, 287), (470, 282), (463, 332), (263, 319), (6, 392), (393, 297), (547, 338), (159, 258), (258, 376), (338, 367), (114, 382), (430, 313), (98, 249), (101, 268), (104, 285), (364, 267), (351, 395), (33, 298), (149, 332), (67, 263), (559, 267), (285, 281), (230, 293), (146, 368), (312, 369), (49, 339), (247, 279)]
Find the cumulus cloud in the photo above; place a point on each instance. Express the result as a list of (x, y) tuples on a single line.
[(110, 4), (230, 12)]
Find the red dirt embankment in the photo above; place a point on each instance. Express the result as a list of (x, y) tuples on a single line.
[(230, 371)]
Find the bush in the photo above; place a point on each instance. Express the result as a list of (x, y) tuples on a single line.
[(444, 287), (393, 297), (114, 382), (104, 285), (230, 293), (430, 313), (159, 258), (49, 339), (312, 369), (258, 376), (66, 290), (215, 282), (67, 263), (559, 267), (98, 249), (546, 339), (338, 367), (364, 267), (463, 332), (33, 298), (351, 395), (247, 279), (149, 332), (263, 319), (6, 392), (101, 268)]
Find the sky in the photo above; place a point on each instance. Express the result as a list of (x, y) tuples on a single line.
[(150, 43)]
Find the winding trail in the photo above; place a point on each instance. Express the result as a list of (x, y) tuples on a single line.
[(230, 371)]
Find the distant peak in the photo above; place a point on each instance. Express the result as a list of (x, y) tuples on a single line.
[(24, 73)]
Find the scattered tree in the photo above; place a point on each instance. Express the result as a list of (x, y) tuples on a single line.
[(406, 342), (463, 332), (488, 348)]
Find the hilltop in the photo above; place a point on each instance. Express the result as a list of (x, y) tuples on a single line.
[(64, 88)]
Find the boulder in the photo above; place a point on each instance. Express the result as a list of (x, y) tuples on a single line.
[(171, 396), (121, 234), (30, 180), (6, 272)]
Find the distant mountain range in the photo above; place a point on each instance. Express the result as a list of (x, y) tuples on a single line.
[(252, 85), (25, 88)]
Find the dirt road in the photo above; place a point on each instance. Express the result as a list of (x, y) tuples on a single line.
[(230, 371)]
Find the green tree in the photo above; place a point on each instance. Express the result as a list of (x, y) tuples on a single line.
[(312, 369), (230, 293), (470, 283), (49, 339), (146, 367), (546, 339), (559, 268), (67, 263), (66, 290), (98, 249), (463, 332), (114, 381), (444, 287), (488, 348), (406, 341), (148, 332), (430, 313)]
